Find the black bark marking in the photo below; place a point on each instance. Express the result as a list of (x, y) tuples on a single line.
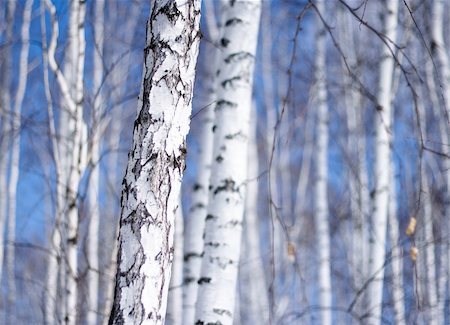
[(197, 187), (224, 103), (239, 56), (229, 82), (188, 256), (233, 21), (222, 312), (224, 42), (219, 159), (229, 185), (212, 244), (204, 280)]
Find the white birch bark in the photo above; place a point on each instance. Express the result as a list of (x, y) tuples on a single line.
[(440, 51), (359, 193), (253, 292), (6, 127), (15, 157), (156, 163), (374, 292), (93, 280), (175, 300), (77, 165), (427, 245), (217, 283), (321, 153), (195, 225), (74, 161), (398, 294)]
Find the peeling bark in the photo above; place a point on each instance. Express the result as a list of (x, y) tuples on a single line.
[(156, 162)]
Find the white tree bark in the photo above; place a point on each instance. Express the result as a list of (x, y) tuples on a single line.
[(156, 163), (72, 156), (374, 293), (94, 181), (6, 127), (321, 182), (398, 294), (195, 225), (175, 300), (440, 51), (15, 156), (217, 284), (253, 292)]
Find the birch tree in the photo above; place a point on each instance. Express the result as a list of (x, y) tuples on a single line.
[(156, 162), (374, 293), (70, 161), (94, 181), (6, 127), (15, 157), (217, 283), (195, 225), (321, 198)]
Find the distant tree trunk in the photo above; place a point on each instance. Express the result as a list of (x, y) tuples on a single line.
[(175, 300), (253, 292), (156, 163), (5, 125), (321, 182), (440, 51), (358, 183), (94, 181), (217, 284), (195, 225), (15, 156), (398, 294), (374, 293), (70, 163)]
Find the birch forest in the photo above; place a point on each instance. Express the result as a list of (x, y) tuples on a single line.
[(225, 162)]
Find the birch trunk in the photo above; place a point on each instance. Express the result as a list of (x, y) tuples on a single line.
[(217, 283), (175, 300), (15, 157), (77, 165), (6, 127), (193, 249), (253, 293), (152, 181), (440, 51), (398, 294), (72, 156), (374, 293), (94, 181), (321, 197)]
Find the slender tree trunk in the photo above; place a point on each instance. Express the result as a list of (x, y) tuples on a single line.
[(440, 51), (151, 185), (321, 197), (77, 165), (253, 293), (15, 156), (217, 284), (175, 300), (374, 293), (193, 250), (94, 181), (6, 126), (398, 294)]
